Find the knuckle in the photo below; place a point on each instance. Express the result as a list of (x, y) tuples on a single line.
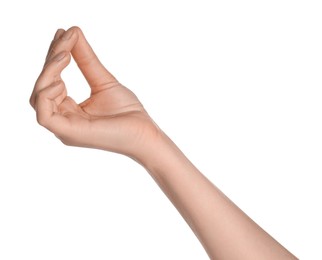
[(40, 96), (41, 120), (53, 51), (32, 101)]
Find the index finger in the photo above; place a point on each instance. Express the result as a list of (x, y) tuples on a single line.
[(97, 76)]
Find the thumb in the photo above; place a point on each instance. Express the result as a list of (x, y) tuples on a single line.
[(97, 76)]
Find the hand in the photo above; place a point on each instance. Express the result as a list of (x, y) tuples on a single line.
[(112, 118)]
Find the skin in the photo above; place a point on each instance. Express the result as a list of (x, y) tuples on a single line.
[(113, 119)]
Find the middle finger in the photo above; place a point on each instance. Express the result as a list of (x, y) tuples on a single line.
[(63, 41)]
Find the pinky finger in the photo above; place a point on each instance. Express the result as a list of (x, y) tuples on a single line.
[(47, 111)]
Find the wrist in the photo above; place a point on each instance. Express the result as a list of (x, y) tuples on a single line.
[(161, 156), (153, 149)]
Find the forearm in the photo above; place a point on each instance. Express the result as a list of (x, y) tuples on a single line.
[(113, 119), (222, 228)]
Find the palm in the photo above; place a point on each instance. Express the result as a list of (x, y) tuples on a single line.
[(113, 114), (111, 101)]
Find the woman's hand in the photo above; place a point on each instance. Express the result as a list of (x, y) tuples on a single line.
[(112, 118)]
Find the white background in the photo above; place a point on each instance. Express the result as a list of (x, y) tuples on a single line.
[(236, 84)]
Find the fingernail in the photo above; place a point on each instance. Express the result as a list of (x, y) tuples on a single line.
[(67, 35), (59, 56), (58, 33)]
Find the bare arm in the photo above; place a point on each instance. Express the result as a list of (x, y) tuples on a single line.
[(223, 229), (113, 119)]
